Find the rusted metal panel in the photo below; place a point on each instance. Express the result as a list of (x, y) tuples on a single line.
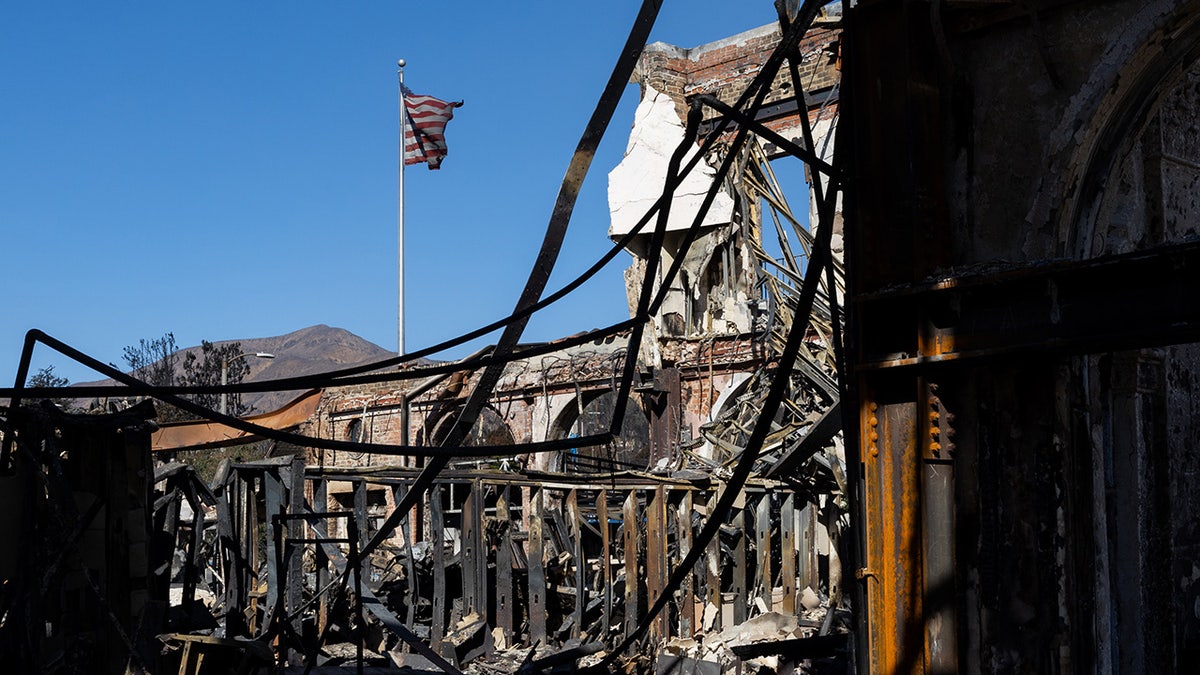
[(606, 578), (941, 640), (577, 561)]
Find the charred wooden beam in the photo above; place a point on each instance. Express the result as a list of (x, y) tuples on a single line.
[(537, 567)]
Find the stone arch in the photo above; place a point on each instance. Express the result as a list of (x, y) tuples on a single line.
[(489, 429), (1093, 145), (1137, 406), (354, 430), (631, 448)]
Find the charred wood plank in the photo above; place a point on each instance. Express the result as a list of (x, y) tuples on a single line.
[(606, 579), (656, 557), (436, 537), (712, 581), (472, 522), (321, 504), (738, 588), (683, 544), (630, 525), (273, 496), (537, 568), (504, 569), (762, 531), (787, 526), (573, 522)]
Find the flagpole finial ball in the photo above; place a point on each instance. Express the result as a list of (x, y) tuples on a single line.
[(401, 63)]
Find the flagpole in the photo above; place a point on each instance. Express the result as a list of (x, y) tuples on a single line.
[(400, 215)]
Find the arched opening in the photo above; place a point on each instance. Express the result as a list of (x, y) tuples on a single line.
[(354, 430), (489, 429), (1139, 191), (592, 413)]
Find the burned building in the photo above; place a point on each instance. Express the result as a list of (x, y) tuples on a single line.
[(947, 426)]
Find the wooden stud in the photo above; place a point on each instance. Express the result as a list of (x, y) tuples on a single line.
[(581, 595), (470, 552), (712, 577), (606, 580), (321, 505), (740, 600), (504, 569), (807, 534), (437, 629), (787, 550), (630, 526), (656, 558), (762, 529), (683, 539), (537, 569)]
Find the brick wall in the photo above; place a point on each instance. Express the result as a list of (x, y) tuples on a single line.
[(725, 67)]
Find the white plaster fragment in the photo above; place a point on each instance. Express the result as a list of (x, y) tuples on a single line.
[(637, 182)]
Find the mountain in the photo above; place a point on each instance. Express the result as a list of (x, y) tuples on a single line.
[(311, 350), (316, 349)]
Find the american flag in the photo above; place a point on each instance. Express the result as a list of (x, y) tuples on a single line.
[(425, 128)]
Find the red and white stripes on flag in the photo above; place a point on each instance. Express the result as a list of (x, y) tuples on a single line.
[(425, 128)]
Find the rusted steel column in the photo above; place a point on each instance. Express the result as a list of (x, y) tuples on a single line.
[(606, 579), (762, 532), (893, 571), (436, 523), (504, 569), (630, 525), (581, 595), (537, 568), (787, 552)]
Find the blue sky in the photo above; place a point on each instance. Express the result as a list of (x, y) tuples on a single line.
[(228, 170)]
